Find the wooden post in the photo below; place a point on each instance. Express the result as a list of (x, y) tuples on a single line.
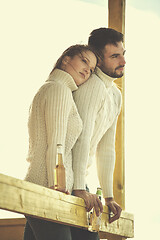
[(116, 20)]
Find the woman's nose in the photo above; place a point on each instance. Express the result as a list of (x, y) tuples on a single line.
[(87, 69)]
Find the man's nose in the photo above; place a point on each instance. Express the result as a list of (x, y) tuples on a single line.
[(123, 61)]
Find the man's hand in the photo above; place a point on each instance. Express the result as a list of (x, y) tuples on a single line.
[(91, 200), (61, 190), (113, 207)]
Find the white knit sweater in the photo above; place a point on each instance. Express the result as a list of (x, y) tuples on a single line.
[(99, 103), (53, 119)]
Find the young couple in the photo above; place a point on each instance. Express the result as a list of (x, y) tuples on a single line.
[(78, 107)]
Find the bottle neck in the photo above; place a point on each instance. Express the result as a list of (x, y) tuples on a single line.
[(99, 193), (60, 159)]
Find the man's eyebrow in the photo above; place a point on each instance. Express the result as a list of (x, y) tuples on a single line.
[(117, 54), (114, 54)]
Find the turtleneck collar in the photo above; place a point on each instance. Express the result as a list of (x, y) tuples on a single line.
[(64, 78), (108, 81)]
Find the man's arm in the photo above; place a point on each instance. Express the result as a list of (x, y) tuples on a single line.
[(80, 155), (113, 207), (105, 169), (88, 101), (91, 200)]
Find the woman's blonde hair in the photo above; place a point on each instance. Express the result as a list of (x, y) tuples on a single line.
[(71, 52)]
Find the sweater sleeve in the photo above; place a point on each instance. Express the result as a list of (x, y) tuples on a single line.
[(81, 151), (57, 108), (106, 160), (87, 104)]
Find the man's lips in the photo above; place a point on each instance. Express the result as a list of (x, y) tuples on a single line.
[(121, 68)]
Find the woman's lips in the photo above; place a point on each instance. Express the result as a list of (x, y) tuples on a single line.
[(82, 74)]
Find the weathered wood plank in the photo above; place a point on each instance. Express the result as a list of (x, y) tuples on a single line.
[(27, 198), (116, 20)]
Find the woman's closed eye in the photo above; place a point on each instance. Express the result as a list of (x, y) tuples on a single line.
[(84, 60)]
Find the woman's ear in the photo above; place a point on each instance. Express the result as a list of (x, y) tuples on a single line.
[(64, 63), (65, 60)]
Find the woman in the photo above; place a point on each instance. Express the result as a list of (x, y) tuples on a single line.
[(53, 120)]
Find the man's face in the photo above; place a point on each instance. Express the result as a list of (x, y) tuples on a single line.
[(114, 61)]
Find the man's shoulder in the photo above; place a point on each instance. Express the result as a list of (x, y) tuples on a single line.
[(91, 93), (117, 94), (116, 90), (95, 79), (93, 83)]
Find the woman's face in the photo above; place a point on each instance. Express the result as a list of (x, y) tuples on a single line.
[(81, 66)]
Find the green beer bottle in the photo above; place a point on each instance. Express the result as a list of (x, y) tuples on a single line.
[(94, 221)]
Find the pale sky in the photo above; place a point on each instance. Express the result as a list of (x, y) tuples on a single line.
[(33, 35)]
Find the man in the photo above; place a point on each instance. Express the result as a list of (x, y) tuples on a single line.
[(99, 103)]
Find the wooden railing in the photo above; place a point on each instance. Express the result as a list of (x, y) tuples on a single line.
[(30, 199)]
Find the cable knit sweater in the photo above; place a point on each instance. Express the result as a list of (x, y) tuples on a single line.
[(99, 103), (53, 119)]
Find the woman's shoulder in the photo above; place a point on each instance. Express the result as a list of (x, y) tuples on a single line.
[(53, 91), (54, 87)]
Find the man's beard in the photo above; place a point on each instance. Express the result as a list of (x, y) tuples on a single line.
[(113, 74)]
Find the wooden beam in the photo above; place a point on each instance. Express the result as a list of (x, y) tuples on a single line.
[(30, 199), (116, 15), (116, 20), (12, 228)]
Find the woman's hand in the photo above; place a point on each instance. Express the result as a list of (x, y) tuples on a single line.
[(113, 207), (61, 190), (91, 200)]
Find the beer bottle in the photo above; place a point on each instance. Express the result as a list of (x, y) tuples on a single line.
[(59, 171), (95, 221)]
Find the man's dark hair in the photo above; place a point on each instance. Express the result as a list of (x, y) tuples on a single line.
[(100, 37)]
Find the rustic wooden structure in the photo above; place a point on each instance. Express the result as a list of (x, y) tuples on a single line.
[(27, 198), (116, 20)]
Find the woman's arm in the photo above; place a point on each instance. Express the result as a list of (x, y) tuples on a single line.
[(58, 103)]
